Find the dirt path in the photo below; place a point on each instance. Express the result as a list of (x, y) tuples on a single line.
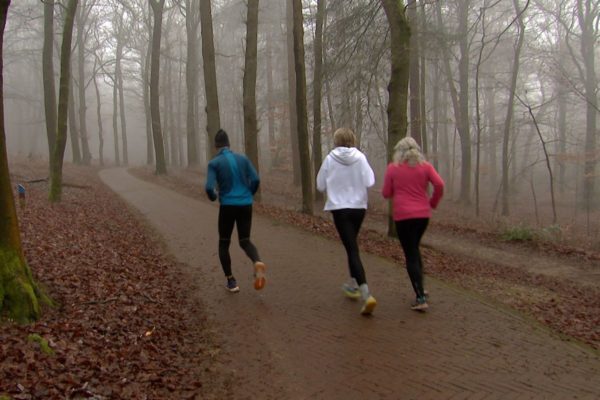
[(301, 339)]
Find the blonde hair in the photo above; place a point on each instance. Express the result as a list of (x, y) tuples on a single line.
[(344, 137), (408, 150)]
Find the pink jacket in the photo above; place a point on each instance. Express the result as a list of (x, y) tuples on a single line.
[(407, 186)]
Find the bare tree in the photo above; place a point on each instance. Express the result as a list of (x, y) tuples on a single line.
[(99, 116), (48, 74), (56, 162), (588, 17), (74, 125), (399, 76), (292, 107), (510, 108), (415, 81), (210, 76), (19, 295), (249, 85), (192, 19), (301, 109), (318, 89), (82, 18), (460, 97), (159, 150)]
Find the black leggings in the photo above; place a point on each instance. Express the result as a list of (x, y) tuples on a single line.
[(348, 222), (228, 217), (410, 232)]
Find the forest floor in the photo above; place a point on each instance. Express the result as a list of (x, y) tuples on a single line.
[(135, 322)]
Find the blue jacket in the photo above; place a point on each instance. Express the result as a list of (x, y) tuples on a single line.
[(235, 177)]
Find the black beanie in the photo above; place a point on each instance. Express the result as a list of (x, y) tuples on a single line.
[(221, 139)]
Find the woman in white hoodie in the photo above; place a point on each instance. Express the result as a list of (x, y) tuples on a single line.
[(345, 175)]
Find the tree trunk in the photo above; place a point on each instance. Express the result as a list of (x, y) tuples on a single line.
[(147, 112), (63, 104), (191, 80), (589, 17), (423, 80), (249, 85), (73, 127), (48, 75), (270, 97), (86, 156), (318, 90), (159, 150), (115, 116), (213, 119), (399, 76), (414, 75), (301, 109), (460, 100), (122, 117), (99, 115), (490, 105), (18, 292), (464, 131), (293, 117), (510, 110), (435, 123)]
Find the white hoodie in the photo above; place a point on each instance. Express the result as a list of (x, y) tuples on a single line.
[(345, 174)]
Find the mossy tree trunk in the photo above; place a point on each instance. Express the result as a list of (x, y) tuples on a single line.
[(18, 297)]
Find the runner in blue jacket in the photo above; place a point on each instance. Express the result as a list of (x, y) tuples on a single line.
[(232, 179)]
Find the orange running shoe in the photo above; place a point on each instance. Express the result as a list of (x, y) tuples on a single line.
[(259, 275)]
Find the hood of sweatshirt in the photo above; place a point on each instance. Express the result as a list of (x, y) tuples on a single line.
[(346, 155)]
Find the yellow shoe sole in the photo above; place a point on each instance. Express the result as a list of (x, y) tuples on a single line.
[(369, 306)]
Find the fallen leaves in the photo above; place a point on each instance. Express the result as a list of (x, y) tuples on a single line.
[(123, 306)]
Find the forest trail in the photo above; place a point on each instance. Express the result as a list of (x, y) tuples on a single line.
[(300, 338)]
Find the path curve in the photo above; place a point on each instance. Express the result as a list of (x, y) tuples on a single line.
[(300, 338)]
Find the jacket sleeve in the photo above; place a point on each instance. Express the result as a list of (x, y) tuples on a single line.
[(438, 187), (252, 176), (211, 179), (322, 176), (388, 189), (367, 173)]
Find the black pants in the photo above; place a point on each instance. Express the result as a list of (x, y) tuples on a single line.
[(348, 222), (228, 217), (410, 232)]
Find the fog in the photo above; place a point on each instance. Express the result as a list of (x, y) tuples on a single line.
[(509, 88)]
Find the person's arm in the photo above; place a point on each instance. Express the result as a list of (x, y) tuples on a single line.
[(388, 189), (438, 187), (253, 179), (322, 177), (211, 180), (367, 173)]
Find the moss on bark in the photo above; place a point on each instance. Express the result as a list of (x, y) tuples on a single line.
[(18, 292)]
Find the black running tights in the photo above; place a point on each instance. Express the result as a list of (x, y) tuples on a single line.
[(228, 217), (348, 222), (410, 232)]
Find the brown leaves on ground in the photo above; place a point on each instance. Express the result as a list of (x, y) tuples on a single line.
[(126, 324), (560, 304)]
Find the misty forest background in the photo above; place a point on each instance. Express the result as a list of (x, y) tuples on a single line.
[(502, 94)]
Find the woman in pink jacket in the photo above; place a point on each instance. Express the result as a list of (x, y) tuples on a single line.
[(406, 182)]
